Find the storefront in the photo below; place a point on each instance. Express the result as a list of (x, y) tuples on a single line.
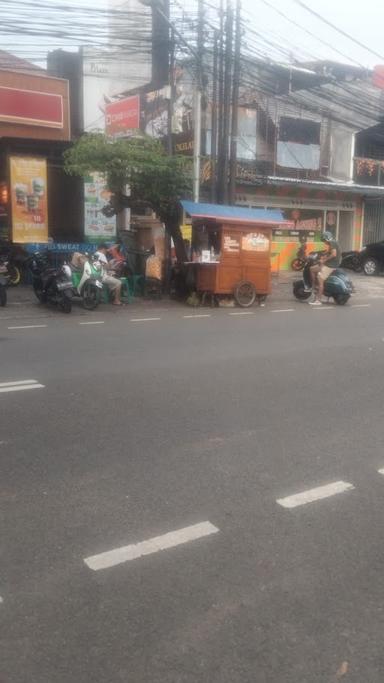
[(313, 206), (38, 201)]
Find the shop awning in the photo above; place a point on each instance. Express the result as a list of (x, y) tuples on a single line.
[(219, 213)]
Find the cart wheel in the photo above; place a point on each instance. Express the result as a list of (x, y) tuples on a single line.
[(245, 293)]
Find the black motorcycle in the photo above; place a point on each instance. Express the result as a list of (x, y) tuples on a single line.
[(337, 286), (51, 285), (4, 280)]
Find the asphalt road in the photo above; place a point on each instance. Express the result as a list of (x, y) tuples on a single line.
[(204, 426)]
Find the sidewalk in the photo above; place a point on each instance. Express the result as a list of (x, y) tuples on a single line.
[(21, 299)]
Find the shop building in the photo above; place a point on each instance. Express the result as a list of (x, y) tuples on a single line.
[(38, 201)]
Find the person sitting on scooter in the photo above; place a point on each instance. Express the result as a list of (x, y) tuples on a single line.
[(113, 284), (328, 262)]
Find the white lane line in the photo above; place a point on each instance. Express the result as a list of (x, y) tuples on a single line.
[(198, 315), (20, 385), (361, 306), (312, 495), (21, 381), (153, 545), (381, 471), (283, 310), (26, 327), (325, 307), (142, 320), (93, 322), (242, 313)]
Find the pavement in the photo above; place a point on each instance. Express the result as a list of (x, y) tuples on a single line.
[(192, 495)]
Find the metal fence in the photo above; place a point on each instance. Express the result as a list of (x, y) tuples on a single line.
[(373, 221)]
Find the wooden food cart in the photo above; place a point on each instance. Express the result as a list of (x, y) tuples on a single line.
[(236, 260)]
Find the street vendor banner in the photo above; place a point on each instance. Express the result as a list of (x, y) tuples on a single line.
[(97, 226), (29, 199)]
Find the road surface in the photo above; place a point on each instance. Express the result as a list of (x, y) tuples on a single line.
[(193, 496)]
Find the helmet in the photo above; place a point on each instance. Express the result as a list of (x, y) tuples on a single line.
[(326, 236)]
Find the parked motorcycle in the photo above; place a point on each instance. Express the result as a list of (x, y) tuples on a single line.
[(86, 282), (337, 286), (51, 285), (4, 280), (16, 258)]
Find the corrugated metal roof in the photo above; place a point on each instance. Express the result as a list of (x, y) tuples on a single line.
[(231, 214), (352, 188)]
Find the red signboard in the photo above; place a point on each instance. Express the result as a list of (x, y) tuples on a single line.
[(122, 116), (30, 107)]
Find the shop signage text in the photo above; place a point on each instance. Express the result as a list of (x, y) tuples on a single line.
[(123, 116)]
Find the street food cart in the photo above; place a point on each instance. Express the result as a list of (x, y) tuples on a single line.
[(230, 252)]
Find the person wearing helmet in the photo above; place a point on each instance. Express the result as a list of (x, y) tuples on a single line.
[(328, 263)]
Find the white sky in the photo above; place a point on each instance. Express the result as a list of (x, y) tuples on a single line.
[(364, 21)]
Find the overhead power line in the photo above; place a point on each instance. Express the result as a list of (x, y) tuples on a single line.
[(339, 30)]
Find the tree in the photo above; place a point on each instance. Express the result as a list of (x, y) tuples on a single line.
[(142, 163)]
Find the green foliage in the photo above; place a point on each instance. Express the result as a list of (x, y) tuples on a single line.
[(140, 162)]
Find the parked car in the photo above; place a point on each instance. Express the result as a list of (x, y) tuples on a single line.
[(372, 258)]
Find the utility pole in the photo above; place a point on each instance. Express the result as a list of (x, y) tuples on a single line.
[(214, 116), (223, 179), (171, 101), (197, 103), (198, 87), (220, 107), (235, 107)]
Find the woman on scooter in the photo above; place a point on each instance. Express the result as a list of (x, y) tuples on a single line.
[(320, 272)]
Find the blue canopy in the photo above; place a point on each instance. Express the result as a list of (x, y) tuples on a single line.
[(232, 214)]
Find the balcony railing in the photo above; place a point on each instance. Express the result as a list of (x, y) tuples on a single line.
[(368, 171)]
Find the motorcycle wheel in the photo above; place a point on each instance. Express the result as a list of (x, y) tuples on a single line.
[(341, 299), (40, 295), (297, 264), (299, 291), (3, 296), (65, 305), (90, 296), (14, 276)]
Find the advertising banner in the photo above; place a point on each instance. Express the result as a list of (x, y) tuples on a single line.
[(97, 227), (123, 116), (29, 199)]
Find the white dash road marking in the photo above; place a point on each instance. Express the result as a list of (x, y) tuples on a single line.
[(199, 315), (94, 322), (26, 327), (312, 495), (153, 545), (381, 471), (242, 313), (283, 310), (20, 385), (142, 320), (361, 306)]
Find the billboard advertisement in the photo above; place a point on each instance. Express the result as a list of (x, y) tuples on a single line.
[(29, 204), (122, 117), (97, 227), (109, 75)]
